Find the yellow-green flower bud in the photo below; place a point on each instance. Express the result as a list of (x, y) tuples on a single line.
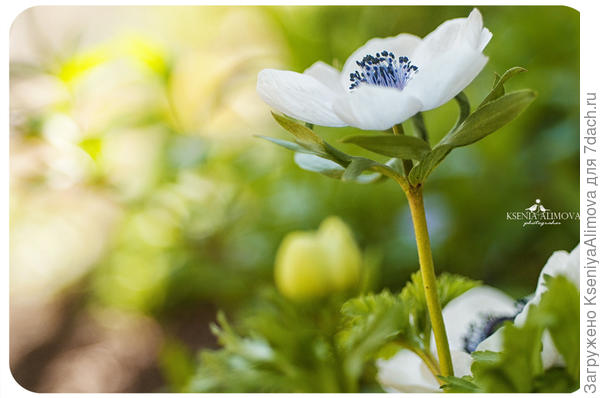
[(314, 264)]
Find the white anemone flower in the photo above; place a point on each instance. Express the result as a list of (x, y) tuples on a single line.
[(560, 263), (463, 316), (406, 372), (384, 82)]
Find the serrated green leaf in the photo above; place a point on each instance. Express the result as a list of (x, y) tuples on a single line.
[(413, 296), (454, 384), (372, 321), (292, 146), (489, 118), (421, 170), (397, 146), (318, 164), (304, 136), (498, 88), (485, 356)]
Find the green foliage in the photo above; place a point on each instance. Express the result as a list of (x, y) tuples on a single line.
[(518, 367), (177, 364), (455, 384), (489, 118), (312, 153), (321, 346), (496, 110), (396, 146), (559, 313), (498, 87), (370, 322)]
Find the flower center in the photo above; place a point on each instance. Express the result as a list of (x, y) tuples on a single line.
[(383, 69)]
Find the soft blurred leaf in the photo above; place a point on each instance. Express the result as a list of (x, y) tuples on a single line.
[(458, 384), (304, 136), (397, 146), (318, 164)]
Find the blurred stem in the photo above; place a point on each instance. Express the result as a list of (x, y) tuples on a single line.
[(407, 163), (417, 210), (426, 357)]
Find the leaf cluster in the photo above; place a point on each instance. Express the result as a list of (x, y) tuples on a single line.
[(324, 346)]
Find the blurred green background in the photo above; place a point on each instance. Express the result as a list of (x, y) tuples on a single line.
[(140, 201)]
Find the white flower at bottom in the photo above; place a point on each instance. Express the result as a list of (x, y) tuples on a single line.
[(406, 372), (384, 82), (559, 263)]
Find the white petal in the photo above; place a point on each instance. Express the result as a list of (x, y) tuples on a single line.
[(405, 372), (559, 263), (401, 45), (493, 342), (442, 76), (461, 362), (298, 95), (449, 58), (484, 39), (375, 108), (327, 75), (470, 308), (550, 355)]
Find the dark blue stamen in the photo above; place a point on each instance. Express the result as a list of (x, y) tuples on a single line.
[(383, 69)]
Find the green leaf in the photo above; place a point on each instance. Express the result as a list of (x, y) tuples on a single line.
[(489, 118), (304, 136), (397, 146), (555, 380), (464, 109), (419, 124), (413, 295), (292, 146), (518, 368), (517, 365), (318, 164), (459, 384), (485, 356), (421, 170), (498, 88), (356, 167), (371, 322), (558, 311)]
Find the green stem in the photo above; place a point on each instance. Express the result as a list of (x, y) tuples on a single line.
[(426, 357), (417, 209), (407, 163)]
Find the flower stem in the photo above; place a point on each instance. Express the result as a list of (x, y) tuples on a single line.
[(406, 163), (417, 209)]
